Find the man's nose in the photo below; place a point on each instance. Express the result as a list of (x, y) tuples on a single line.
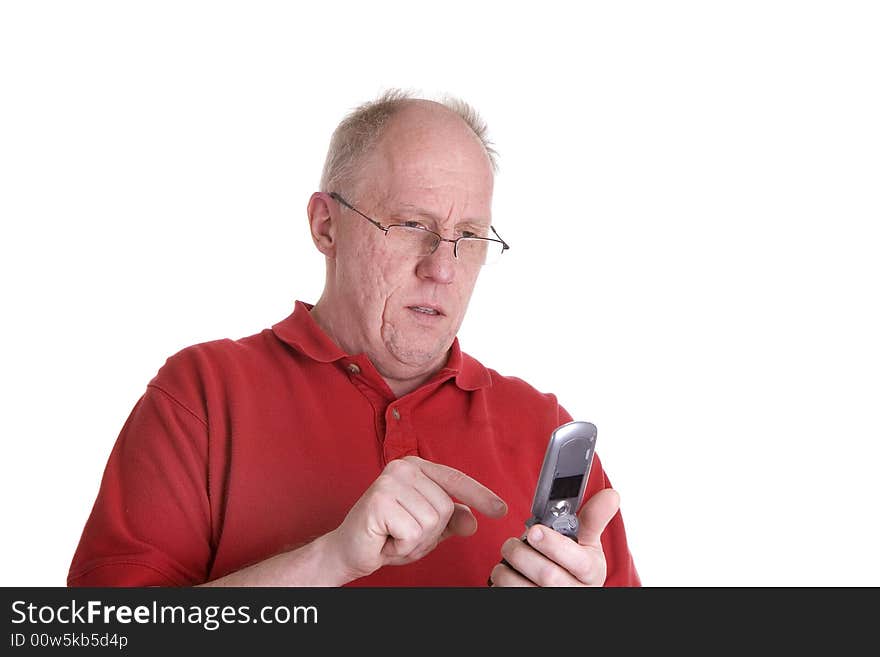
[(439, 266)]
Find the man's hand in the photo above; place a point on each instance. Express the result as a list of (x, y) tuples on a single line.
[(406, 512), (551, 559)]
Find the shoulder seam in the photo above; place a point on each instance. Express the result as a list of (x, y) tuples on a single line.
[(178, 402)]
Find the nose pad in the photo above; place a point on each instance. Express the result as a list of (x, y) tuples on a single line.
[(450, 249)]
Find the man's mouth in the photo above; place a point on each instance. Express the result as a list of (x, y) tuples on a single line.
[(425, 310)]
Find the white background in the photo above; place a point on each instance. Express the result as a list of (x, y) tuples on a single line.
[(690, 190)]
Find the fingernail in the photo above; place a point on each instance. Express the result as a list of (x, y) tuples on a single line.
[(501, 505), (536, 535)]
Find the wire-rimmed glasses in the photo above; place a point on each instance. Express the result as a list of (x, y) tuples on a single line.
[(413, 238)]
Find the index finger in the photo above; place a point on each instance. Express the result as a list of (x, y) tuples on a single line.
[(462, 487)]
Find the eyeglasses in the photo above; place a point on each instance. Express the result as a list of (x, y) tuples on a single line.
[(411, 237)]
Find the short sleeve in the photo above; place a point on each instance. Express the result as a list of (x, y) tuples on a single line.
[(151, 521)]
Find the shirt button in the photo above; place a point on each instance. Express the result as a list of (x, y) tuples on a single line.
[(395, 414), (353, 368)]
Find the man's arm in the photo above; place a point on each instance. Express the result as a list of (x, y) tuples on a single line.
[(407, 511), (310, 565)]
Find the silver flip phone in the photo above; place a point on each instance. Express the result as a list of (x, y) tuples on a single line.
[(563, 477)]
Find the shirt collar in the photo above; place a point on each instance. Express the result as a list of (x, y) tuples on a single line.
[(302, 333)]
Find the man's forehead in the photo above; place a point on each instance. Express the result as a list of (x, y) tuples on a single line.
[(466, 214), (427, 189), (438, 204), (428, 161)]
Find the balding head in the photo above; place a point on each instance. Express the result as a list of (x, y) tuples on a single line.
[(359, 132)]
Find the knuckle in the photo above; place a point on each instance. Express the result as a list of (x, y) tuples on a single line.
[(411, 534), (381, 496), (591, 568), (430, 520), (595, 575), (585, 571), (383, 485), (549, 574), (396, 467), (455, 479), (404, 469), (445, 509)]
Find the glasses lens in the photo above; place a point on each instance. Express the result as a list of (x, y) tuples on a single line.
[(479, 252), (412, 241)]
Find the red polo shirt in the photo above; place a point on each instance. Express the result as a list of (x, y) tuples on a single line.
[(239, 450)]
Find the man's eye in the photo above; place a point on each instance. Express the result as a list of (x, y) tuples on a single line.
[(467, 233), (414, 224)]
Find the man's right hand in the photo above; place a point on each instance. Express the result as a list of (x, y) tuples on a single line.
[(406, 512)]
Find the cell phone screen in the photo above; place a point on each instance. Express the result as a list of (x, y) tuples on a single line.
[(565, 487)]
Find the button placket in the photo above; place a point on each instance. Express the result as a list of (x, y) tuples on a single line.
[(399, 437)]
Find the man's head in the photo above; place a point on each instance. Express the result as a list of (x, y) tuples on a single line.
[(398, 160)]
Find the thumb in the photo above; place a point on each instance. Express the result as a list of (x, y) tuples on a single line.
[(462, 522), (595, 515)]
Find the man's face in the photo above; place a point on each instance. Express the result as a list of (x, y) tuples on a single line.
[(403, 309)]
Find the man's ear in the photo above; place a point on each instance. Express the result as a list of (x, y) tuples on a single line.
[(321, 223)]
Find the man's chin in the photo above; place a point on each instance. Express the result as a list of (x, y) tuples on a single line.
[(414, 361)]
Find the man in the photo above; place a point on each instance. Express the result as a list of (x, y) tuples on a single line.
[(354, 442)]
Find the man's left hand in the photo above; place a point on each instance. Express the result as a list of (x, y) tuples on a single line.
[(551, 559)]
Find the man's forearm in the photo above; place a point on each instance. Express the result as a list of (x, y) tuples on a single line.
[(313, 564)]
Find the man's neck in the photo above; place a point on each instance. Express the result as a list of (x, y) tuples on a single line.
[(400, 386)]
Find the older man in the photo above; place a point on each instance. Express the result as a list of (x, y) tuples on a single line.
[(352, 442)]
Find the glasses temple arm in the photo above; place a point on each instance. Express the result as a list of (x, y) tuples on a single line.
[(505, 244)]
